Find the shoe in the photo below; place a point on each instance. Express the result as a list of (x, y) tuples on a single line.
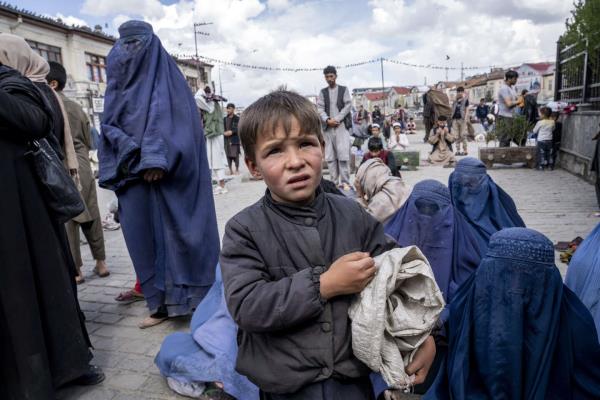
[(93, 376), (224, 190), (217, 190)]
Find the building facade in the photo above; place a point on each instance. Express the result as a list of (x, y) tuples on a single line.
[(82, 51)]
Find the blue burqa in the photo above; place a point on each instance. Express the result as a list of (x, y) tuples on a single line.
[(209, 352), (485, 205), (151, 121), (516, 332), (583, 275), (429, 221)]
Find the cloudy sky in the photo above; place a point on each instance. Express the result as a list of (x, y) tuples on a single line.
[(305, 33)]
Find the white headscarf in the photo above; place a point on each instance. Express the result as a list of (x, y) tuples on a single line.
[(384, 193)]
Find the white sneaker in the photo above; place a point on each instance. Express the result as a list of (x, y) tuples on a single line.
[(224, 190), (217, 190)]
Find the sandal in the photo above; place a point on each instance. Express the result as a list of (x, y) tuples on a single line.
[(130, 296)]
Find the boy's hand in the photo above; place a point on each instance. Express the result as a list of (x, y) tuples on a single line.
[(347, 275), (422, 362)]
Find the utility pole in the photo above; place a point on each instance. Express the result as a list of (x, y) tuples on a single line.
[(462, 72), (382, 87), (196, 33)]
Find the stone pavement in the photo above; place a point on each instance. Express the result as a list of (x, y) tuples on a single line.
[(555, 203)]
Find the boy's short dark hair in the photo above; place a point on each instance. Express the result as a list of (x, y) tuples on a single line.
[(57, 73), (482, 99), (511, 74), (375, 144), (545, 111), (264, 115), (330, 69), (230, 105), (442, 118), (460, 89)]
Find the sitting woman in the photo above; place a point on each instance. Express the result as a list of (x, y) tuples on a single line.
[(441, 138), (429, 221), (516, 332), (398, 139), (378, 190), (583, 275), (486, 206), (201, 364), (376, 150)]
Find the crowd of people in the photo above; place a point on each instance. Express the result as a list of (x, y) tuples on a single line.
[(276, 308)]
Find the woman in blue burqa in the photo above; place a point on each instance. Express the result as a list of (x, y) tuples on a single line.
[(429, 221), (485, 205), (516, 331), (152, 155), (201, 364), (583, 274)]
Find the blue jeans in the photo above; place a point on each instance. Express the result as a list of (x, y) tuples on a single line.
[(544, 150)]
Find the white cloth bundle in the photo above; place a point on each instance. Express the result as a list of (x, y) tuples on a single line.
[(395, 313)]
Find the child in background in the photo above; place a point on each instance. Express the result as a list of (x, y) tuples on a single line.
[(442, 140), (411, 126), (398, 139), (544, 129), (556, 137), (376, 151), (292, 262)]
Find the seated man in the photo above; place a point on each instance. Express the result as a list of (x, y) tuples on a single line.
[(441, 138)]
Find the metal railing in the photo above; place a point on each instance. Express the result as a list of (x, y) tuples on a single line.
[(577, 75)]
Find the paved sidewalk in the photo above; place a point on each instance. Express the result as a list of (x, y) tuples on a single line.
[(555, 203)]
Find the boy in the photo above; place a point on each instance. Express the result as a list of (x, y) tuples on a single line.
[(398, 139), (412, 126), (442, 140), (376, 151), (292, 261), (543, 129), (459, 121)]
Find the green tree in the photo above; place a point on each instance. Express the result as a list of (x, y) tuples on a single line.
[(583, 27)]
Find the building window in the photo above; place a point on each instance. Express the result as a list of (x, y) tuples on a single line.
[(96, 68), (204, 75), (192, 82), (50, 53), (550, 85)]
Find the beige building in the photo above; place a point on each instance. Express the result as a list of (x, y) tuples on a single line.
[(82, 51)]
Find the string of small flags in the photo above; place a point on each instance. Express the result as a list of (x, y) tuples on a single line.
[(312, 69)]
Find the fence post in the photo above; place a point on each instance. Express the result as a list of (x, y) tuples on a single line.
[(585, 72)]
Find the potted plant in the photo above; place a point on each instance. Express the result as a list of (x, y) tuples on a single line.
[(517, 130)]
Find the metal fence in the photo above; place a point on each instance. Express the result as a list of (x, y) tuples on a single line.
[(577, 75)]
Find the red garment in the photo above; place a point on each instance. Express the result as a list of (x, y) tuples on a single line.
[(383, 156), (138, 286)]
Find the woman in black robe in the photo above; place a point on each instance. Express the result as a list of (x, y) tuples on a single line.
[(43, 341)]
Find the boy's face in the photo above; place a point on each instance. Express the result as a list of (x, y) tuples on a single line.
[(441, 124), (289, 164), (375, 132), (397, 130)]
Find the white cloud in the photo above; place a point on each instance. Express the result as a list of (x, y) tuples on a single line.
[(283, 33), (278, 5), (71, 20), (150, 8)]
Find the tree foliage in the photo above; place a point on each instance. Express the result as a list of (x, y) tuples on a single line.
[(583, 27)]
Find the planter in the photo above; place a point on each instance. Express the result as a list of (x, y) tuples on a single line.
[(407, 159), (508, 155)]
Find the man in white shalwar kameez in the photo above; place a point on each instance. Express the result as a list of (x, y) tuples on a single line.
[(213, 132)]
